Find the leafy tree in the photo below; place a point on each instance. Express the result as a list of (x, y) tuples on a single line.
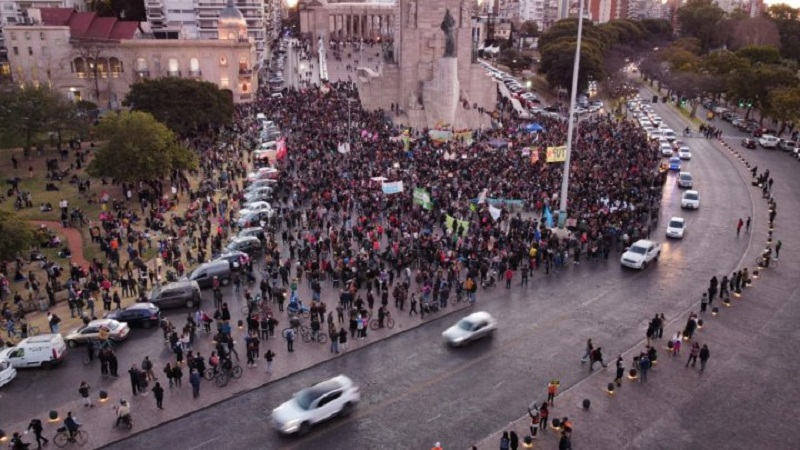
[(529, 29), (723, 62), (659, 28), (15, 236), (786, 19), (138, 148), (785, 105), (752, 85), (514, 59), (557, 61), (782, 11), (184, 105), (27, 112), (763, 54), (699, 19)]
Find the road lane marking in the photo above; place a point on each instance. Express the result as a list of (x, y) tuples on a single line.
[(203, 444)]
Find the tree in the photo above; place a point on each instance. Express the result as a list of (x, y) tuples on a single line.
[(763, 54), (514, 60), (529, 29), (27, 112), (786, 19), (699, 19), (785, 105), (751, 86), (557, 61), (184, 105), (138, 148), (16, 236)]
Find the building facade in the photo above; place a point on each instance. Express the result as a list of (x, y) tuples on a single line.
[(98, 59)]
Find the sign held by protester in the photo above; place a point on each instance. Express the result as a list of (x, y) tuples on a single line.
[(494, 212), (394, 187), (556, 154), (422, 198)]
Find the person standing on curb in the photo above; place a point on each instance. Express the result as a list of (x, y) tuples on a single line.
[(269, 356), (693, 354), (644, 367), (194, 380), (620, 371), (158, 393), (705, 353), (36, 427), (84, 391)]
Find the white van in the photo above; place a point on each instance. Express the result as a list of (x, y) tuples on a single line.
[(7, 372), (44, 350)]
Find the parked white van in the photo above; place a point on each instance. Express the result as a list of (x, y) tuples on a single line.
[(44, 350), (7, 372)]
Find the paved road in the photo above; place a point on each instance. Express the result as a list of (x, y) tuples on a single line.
[(416, 391)]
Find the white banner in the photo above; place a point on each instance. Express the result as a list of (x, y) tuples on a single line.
[(482, 196), (344, 148), (494, 212), (395, 187)]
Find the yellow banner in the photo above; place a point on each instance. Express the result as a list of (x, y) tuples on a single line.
[(556, 154)]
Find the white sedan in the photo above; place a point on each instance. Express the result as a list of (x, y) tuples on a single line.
[(7, 372), (639, 255), (254, 207), (474, 326), (690, 200), (676, 227), (684, 153), (314, 404)]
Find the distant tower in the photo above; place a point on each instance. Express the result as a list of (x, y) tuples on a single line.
[(231, 24)]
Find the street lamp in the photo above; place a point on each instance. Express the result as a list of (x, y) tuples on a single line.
[(562, 209)]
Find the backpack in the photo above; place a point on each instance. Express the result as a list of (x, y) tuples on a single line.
[(469, 284)]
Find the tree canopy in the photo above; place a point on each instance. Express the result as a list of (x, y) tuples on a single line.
[(699, 19), (182, 104), (15, 236), (27, 112), (138, 148)]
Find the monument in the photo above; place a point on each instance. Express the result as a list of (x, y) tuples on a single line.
[(428, 71)]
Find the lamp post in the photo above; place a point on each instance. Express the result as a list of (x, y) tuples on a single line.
[(562, 208)]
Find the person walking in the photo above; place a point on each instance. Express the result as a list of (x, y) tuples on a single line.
[(705, 353), (509, 275), (147, 368), (544, 412), (693, 354), (596, 356), (342, 336), (158, 393), (37, 428), (168, 373), (194, 380), (177, 375), (589, 348), (704, 302), (644, 367), (269, 357), (505, 442), (778, 249), (83, 390), (747, 225), (739, 225), (113, 364)]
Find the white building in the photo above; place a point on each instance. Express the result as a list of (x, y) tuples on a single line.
[(15, 12), (197, 19), (534, 10)]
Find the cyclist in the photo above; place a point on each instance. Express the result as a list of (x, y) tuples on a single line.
[(72, 425), (123, 411), (16, 442)]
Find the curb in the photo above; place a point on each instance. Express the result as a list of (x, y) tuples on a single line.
[(249, 390)]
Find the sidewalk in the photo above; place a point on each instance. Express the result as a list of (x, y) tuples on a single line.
[(178, 401)]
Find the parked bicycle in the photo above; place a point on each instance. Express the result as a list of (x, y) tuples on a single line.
[(388, 322), (225, 372), (308, 335)]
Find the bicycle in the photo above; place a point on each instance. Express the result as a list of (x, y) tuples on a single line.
[(307, 336), (771, 262), (226, 372), (388, 322), (62, 437), (15, 333)]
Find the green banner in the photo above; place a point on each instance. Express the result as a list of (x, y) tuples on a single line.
[(451, 223), (422, 198)]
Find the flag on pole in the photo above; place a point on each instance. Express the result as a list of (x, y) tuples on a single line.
[(548, 217)]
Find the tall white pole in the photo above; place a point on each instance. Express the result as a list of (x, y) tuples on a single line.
[(562, 208)]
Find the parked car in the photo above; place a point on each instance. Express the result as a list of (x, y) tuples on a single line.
[(470, 328), (676, 227), (250, 245), (759, 132), (140, 314), (254, 207), (100, 329), (787, 145), (204, 274), (749, 143), (254, 218), (312, 405), (44, 350), (253, 231), (768, 141), (690, 200), (640, 254), (178, 294)]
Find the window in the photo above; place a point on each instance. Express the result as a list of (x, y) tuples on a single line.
[(27, 35), (42, 36), (16, 51), (45, 51), (223, 82), (173, 69), (13, 36), (194, 67), (30, 51)]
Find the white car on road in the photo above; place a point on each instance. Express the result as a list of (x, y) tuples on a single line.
[(690, 200), (474, 326), (639, 255), (676, 227), (684, 153), (254, 207), (314, 404), (7, 371)]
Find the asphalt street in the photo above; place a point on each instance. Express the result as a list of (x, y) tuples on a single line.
[(416, 391)]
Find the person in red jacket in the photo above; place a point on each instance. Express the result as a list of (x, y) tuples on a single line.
[(509, 275)]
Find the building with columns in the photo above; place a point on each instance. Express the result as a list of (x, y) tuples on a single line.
[(414, 68), (98, 58)]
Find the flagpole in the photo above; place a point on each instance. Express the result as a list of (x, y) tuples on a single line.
[(562, 213)]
